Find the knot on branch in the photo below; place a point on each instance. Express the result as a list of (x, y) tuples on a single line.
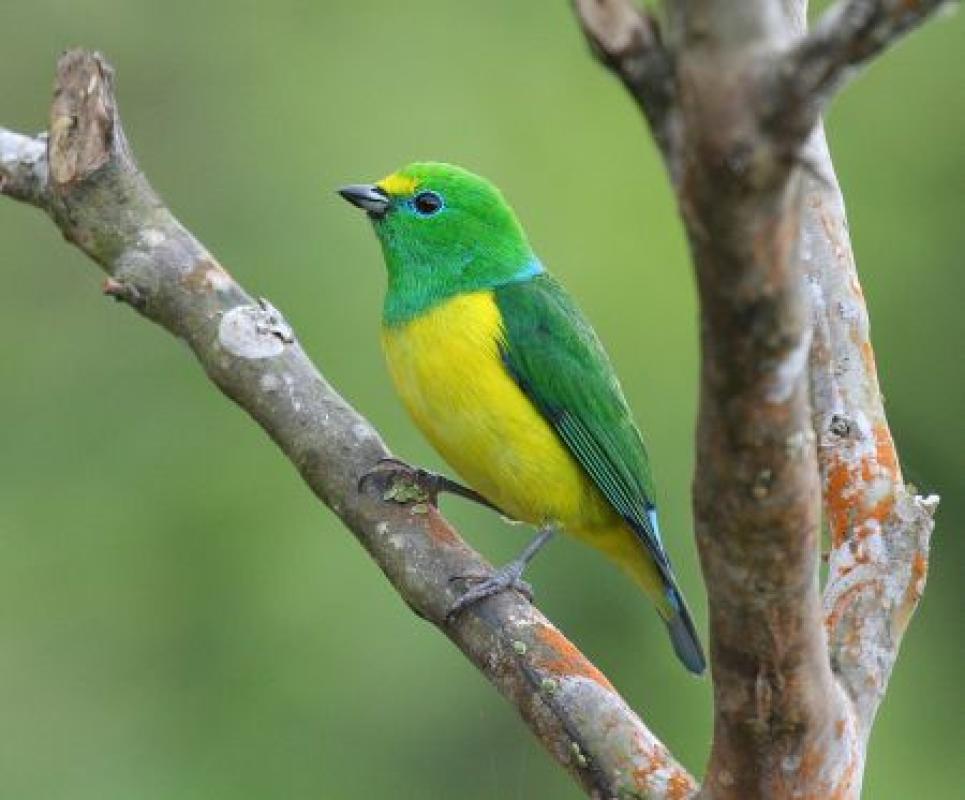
[(615, 28), (124, 292), (254, 331), (82, 130)]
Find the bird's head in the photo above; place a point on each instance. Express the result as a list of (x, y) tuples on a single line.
[(444, 231)]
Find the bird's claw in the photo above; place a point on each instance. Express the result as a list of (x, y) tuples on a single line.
[(404, 483), (501, 580)]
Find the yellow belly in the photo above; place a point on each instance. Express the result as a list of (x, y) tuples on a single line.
[(447, 368)]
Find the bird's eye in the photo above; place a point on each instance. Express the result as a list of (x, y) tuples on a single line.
[(427, 203)]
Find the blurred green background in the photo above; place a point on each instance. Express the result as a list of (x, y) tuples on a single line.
[(179, 618)]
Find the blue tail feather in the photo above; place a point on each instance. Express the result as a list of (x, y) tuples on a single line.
[(683, 634)]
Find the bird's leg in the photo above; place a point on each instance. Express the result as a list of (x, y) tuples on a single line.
[(509, 576), (404, 483)]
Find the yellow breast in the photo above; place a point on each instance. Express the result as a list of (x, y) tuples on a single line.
[(447, 368)]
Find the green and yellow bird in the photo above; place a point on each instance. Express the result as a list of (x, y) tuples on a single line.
[(509, 382)]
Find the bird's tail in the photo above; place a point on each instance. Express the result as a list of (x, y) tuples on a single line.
[(683, 634), (623, 546)]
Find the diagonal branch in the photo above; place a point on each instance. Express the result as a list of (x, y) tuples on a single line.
[(85, 178), (23, 167)]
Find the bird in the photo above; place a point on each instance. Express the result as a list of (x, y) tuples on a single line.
[(509, 382)]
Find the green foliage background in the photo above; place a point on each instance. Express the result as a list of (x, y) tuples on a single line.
[(178, 617)]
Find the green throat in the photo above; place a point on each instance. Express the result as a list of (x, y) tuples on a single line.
[(446, 232)]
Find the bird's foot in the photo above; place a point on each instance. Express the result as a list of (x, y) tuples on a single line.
[(506, 577), (502, 580), (404, 483)]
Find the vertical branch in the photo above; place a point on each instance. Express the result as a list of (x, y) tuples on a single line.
[(880, 529), (786, 365), (756, 489)]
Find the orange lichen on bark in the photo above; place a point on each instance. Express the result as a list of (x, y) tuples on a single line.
[(919, 568), (868, 356), (845, 788), (885, 453), (879, 513), (841, 604), (680, 786), (440, 530), (847, 484), (811, 762), (916, 585), (841, 499), (655, 759), (642, 775), (810, 784), (563, 659)]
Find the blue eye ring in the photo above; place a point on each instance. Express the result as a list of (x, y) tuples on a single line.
[(428, 203)]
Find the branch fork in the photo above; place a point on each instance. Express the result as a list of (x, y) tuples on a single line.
[(790, 407)]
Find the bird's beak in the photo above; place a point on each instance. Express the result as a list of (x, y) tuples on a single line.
[(368, 197)]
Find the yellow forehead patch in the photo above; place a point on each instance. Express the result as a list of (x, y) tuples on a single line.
[(398, 185)]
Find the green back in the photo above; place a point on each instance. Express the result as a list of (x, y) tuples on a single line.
[(556, 358)]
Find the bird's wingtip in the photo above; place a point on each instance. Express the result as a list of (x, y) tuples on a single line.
[(683, 634), (686, 644)]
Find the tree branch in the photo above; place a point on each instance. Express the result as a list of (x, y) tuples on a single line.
[(628, 41), (87, 181), (845, 38), (880, 529), (23, 166), (756, 491), (785, 365)]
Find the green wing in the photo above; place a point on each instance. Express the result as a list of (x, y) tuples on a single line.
[(556, 358)]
